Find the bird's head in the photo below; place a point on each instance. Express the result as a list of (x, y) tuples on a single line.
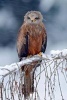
[(33, 17)]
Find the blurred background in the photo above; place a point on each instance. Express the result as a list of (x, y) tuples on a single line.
[(11, 18)]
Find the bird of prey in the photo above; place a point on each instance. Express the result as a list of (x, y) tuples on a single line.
[(31, 40)]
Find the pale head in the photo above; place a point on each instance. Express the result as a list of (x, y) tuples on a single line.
[(33, 17)]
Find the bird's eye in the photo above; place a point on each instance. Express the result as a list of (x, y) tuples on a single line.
[(28, 17), (37, 18)]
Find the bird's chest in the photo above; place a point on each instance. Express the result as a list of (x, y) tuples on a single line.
[(34, 43)]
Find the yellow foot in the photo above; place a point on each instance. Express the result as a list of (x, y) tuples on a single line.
[(40, 54)]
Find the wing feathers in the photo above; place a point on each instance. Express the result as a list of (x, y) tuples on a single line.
[(22, 43), (44, 41)]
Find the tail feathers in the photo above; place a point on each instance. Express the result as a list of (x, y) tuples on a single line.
[(28, 86), (28, 83)]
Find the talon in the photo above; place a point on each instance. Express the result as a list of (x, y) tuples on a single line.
[(40, 54)]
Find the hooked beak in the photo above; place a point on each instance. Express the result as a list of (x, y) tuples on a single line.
[(33, 20)]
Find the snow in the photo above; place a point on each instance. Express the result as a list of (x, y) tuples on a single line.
[(53, 53), (59, 53), (6, 70)]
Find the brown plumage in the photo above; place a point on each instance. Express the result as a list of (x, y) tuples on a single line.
[(32, 39)]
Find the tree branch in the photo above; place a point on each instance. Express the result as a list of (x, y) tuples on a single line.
[(58, 54)]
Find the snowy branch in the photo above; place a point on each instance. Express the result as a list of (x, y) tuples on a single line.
[(52, 67), (58, 54)]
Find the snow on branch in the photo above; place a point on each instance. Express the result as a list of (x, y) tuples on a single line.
[(52, 71), (58, 54), (15, 66)]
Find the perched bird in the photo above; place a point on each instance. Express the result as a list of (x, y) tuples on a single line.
[(32, 39)]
